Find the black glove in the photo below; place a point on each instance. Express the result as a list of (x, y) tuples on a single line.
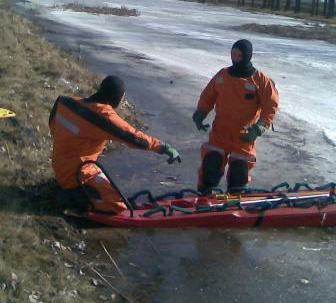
[(253, 132), (198, 118)]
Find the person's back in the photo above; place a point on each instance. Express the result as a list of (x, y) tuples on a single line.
[(75, 140)]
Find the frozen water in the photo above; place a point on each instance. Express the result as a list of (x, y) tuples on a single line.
[(196, 39)]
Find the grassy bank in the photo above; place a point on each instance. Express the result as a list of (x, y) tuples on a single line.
[(42, 258)]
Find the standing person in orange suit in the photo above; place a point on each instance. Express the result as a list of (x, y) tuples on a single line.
[(81, 128), (245, 102)]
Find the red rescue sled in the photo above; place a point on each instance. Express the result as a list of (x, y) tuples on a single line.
[(291, 207), (303, 208)]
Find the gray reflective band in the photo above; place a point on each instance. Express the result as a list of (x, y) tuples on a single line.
[(70, 126)]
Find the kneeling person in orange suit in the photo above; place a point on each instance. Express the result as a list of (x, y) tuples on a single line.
[(81, 128), (245, 102)]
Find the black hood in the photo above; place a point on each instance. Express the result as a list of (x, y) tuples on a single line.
[(244, 68), (110, 92)]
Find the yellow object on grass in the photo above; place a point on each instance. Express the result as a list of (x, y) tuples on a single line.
[(5, 113)]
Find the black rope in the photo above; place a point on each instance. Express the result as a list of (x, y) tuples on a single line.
[(328, 186), (298, 186), (281, 185), (150, 198), (153, 199)]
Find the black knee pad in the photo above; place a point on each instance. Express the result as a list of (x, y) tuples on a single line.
[(211, 166), (237, 177)]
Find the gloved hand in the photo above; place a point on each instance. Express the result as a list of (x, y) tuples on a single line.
[(171, 152), (198, 118), (253, 132)]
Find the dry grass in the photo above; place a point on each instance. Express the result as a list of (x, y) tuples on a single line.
[(33, 74), (102, 10), (38, 258)]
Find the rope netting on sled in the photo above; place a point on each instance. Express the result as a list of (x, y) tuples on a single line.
[(301, 195)]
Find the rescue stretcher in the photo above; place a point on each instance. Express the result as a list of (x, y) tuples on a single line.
[(282, 206)]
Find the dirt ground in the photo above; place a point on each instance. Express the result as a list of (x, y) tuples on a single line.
[(43, 257)]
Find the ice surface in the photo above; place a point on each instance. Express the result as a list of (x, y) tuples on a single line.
[(196, 39)]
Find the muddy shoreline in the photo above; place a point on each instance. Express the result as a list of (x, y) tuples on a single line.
[(305, 13), (314, 32)]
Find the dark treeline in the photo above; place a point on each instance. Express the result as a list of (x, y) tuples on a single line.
[(324, 8)]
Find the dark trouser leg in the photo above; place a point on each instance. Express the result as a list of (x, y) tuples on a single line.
[(75, 198), (210, 172), (237, 176)]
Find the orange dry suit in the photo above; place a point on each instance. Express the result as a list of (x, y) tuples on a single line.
[(80, 130), (238, 103)]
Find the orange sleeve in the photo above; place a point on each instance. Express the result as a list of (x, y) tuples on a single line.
[(269, 101), (208, 96), (118, 129)]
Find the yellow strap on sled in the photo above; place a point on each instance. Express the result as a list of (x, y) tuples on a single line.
[(228, 198), (5, 113)]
